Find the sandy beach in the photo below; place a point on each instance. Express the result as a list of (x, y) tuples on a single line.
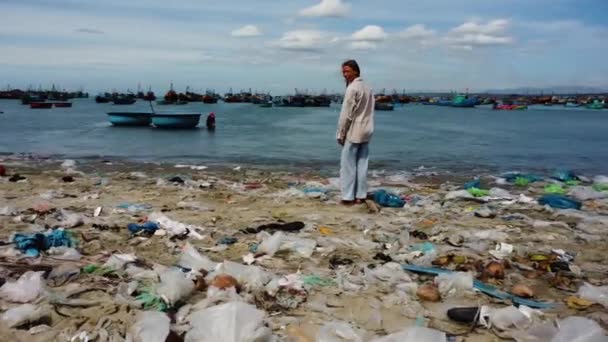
[(350, 271)]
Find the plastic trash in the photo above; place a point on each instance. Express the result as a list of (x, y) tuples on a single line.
[(414, 334), (133, 208), (450, 284), (25, 314), (174, 286), (32, 244), (65, 253), (475, 183), (386, 199), (500, 193), (596, 294), (509, 317), (8, 211), (27, 288), (555, 189), (585, 193), (458, 194), (560, 202), (249, 276), (151, 326), (425, 248), (564, 175), (579, 329), (193, 260), (502, 250), (476, 192), (230, 322), (175, 227), (70, 220), (271, 244), (338, 332), (300, 246), (118, 261), (147, 227), (512, 177)]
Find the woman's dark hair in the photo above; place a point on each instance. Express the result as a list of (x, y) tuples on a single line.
[(353, 65)]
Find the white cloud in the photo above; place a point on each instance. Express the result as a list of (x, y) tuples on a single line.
[(327, 8), (305, 40), (417, 32), (89, 30), (362, 45), (497, 26), (247, 31), (370, 33), (473, 34)]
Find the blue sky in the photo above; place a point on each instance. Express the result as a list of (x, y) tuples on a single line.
[(278, 45)]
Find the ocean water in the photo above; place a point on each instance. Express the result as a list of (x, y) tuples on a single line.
[(458, 139)]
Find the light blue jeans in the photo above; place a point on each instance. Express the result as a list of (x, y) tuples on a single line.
[(353, 171)]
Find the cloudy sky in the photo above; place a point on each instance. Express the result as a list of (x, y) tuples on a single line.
[(279, 45)]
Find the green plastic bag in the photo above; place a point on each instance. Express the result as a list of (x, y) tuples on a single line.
[(318, 281), (600, 187), (478, 192), (555, 189), (522, 181)]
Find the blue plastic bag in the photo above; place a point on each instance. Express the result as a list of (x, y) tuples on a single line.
[(560, 202), (564, 175), (148, 227), (386, 199), (32, 244), (475, 183)]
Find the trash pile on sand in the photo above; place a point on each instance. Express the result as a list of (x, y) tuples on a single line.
[(144, 252)]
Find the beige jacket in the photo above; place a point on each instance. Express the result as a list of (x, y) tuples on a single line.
[(356, 123)]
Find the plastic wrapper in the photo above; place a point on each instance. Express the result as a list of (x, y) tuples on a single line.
[(596, 294), (299, 246), (250, 277), (230, 322), (118, 261), (175, 227), (271, 244), (64, 253), (451, 284)]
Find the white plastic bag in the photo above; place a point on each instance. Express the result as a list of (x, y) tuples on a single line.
[(249, 276), (579, 329), (230, 322), (71, 220), (414, 334), (23, 314), (193, 260), (27, 288), (338, 332), (151, 326), (175, 227), (118, 261), (271, 244), (174, 286), (596, 294), (450, 284), (302, 247), (64, 253), (509, 317), (584, 193)]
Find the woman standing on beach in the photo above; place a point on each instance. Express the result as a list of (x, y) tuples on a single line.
[(355, 129)]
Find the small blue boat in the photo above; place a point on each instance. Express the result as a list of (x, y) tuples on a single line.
[(176, 120), (130, 118)]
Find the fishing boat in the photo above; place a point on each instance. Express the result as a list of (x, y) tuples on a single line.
[(130, 118), (124, 101), (463, 101), (189, 120), (102, 99), (572, 104), (266, 104), (510, 107), (596, 104), (63, 104), (387, 106), (41, 105)]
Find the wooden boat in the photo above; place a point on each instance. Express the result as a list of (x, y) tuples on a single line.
[(101, 99), (62, 104), (130, 118), (387, 106), (41, 105), (189, 120)]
